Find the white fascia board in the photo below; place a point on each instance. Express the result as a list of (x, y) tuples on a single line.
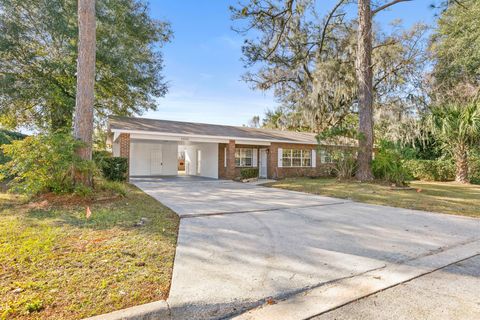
[(253, 143), (165, 135)]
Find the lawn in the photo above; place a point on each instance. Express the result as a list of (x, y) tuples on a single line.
[(444, 197), (57, 264)]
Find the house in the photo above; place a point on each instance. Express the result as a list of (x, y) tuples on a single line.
[(155, 147)]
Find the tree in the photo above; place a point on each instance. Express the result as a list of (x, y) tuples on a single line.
[(455, 44), (308, 59), (296, 45), (83, 125), (38, 54), (254, 122), (457, 128), (365, 85)]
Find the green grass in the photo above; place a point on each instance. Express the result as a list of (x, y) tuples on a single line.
[(443, 197), (56, 264)]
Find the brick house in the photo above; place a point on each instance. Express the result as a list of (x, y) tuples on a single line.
[(155, 147)]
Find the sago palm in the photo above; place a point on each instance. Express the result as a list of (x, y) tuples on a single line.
[(457, 128)]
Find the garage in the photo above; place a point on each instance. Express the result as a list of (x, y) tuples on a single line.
[(150, 157)]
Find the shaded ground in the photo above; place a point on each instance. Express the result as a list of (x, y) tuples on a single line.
[(56, 264), (444, 197), (263, 242), (450, 293)]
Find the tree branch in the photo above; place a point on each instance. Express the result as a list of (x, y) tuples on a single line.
[(289, 10), (325, 27), (385, 6)]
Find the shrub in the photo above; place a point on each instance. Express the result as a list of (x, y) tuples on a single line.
[(34, 306), (345, 164), (474, 167), (6, 137), (99, 155), (44, 163), (114, 168), (115, 187), (388, 165), (248, 173), (431, 170)]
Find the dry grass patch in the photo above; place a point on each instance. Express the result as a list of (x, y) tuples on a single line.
[(56, 264), (444, 197)]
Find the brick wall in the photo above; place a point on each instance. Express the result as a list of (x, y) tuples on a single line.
[(124, 142), (274, 172), (222, 170), (231, 171)]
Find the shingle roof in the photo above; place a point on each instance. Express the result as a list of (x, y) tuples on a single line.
[(214, 130)]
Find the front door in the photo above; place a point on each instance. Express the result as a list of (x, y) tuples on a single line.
[(156, 162), (262, 172)]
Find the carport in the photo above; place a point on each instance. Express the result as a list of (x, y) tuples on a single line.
[(159, 155)]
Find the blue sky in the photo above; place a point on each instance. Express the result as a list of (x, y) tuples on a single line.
[(203, 62)]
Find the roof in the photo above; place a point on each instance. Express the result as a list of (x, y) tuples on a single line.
[(214, 130)]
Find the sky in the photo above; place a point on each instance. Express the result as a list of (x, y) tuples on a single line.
[(203, 64)]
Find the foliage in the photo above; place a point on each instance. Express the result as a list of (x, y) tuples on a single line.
[(38, 54), (99, 155), (431, 170), (474, 166), (388, 164), (424, 147), (114, 168), (44, 163), (306, 55), (34, 306), (115, 187), (6, 137), (457, 128), (345, 163), (455, 47), (254, 122), (248, 173)]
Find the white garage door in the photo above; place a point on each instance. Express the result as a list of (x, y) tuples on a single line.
[(153, 159)]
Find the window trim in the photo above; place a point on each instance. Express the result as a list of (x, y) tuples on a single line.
[(303, 153), (240, 158), (324, 154)]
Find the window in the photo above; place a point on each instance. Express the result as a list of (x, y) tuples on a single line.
[(296, 158), (243, 157), (325, 157)]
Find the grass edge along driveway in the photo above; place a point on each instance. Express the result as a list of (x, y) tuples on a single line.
[(442, 197), (56, 264)]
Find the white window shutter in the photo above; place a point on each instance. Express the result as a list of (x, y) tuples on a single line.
[(255, 157), (225, 157), (280, 156), (314, 158)]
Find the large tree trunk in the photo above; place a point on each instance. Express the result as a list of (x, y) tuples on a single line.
[(365, 90), (461, 164), (83, 122)]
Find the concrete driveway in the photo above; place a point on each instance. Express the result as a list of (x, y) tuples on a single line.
[(239, 245)]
